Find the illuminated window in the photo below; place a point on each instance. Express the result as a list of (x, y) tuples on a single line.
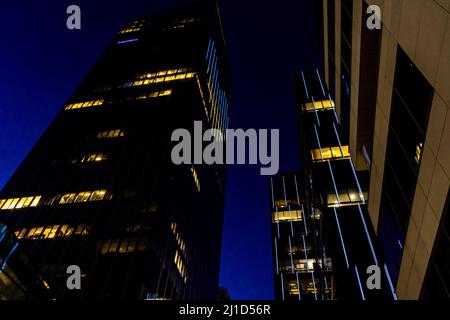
[(155, 94), (196, 180), (287, 215), (87, 196), (121, 246), (161, 76), (179, 239), (93, 157), (51, 232), (111, 134), (347, 197), (18, 203), (180, 265), (328, 153), (86, 104), (318, 105), (129, 30), (419, 149)]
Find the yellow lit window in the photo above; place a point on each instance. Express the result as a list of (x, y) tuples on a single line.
[(19, 203), (85, 104), (196, 179), (162, 76), (98, 195), (111, 134), (67, 198), (347, 197), (330, 153), (418, 152), (286, 215), (318, 105), (336, 152), (83, 197), (94, 157)]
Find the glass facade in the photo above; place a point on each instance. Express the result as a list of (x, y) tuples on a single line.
[(411, 103), (99, 189), (323, 241), (437, 282)]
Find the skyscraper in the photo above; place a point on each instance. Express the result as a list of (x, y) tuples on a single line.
[(323, 242), (99, 189), (395, 82)]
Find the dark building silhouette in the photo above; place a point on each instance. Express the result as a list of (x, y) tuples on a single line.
[(99, 189), (323, 239)]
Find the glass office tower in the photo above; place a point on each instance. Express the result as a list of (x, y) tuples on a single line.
[(99, 189), (323, 240)]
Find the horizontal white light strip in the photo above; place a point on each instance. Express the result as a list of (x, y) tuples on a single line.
[(307, 266), (292, 224), (296, 190), (271, 189), (334, 109), (342, 239), (338, 140), (315, 111), (290, 254), (304, 220), (368, 236), (306, 88), (314, 284), (318, 141), (209, 49), (276, 254), (298, 286), (357, 181), (321, 84), (394, 295), (334, 183), (359, 282)]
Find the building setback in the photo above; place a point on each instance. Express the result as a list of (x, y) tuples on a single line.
[(99, 189), (391, 87)]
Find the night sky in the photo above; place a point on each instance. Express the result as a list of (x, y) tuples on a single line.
[(41, 64)]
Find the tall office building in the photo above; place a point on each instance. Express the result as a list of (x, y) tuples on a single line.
[(323, 241), (99, 189), (391, 87)]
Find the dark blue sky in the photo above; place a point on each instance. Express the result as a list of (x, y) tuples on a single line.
[(41, 63)]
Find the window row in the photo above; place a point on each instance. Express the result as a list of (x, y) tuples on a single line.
[(18, 203), (87, 196), (129, 30), (86, 104), (328, 153), (146, 82), (305, 265), (155, 94), (287, 215), (111, 134), (180, 265), (196, 179), (348, 197), (51, 232), (122, 246), (162, 73), (318, 105), (93, 157), (180, 241)]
